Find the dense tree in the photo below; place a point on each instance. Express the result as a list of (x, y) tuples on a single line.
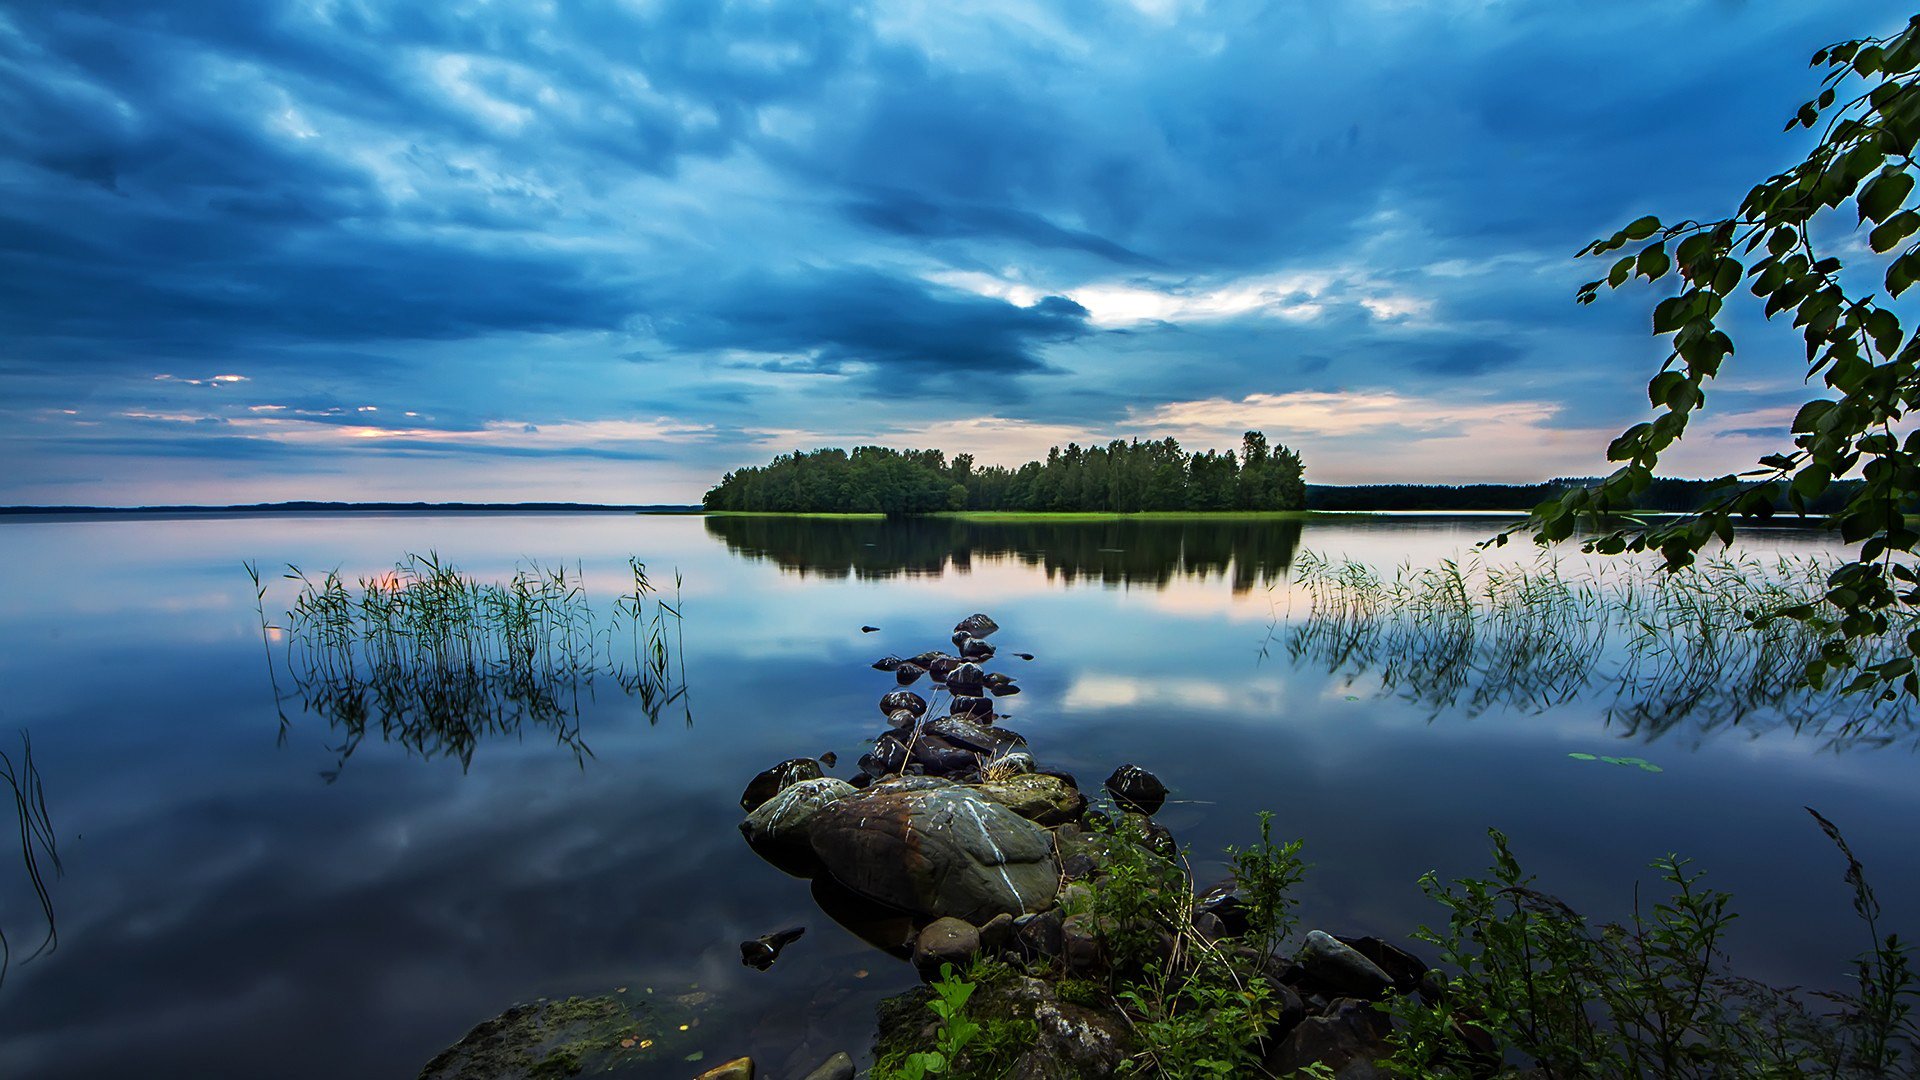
[(1121, 476), (1868, 118)]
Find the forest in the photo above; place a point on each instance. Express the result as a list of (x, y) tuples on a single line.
[(1120, 477)]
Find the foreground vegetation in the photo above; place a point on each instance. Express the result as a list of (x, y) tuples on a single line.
[(1119, 477), (1529, 986)]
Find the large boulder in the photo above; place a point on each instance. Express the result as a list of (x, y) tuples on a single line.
[(1038, 797), (936, 849), (777, 829), (1341, 968)]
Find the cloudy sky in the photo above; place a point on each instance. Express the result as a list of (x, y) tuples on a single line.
[(604, 250)]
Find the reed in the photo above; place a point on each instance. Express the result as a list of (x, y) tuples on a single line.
[(37, 842), (436, 660), (1657, 649)]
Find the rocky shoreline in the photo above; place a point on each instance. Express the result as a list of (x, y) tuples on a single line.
[(952, 846)]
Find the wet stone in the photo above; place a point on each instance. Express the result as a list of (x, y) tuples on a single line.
[(1134, 788), (966, 679), (1340, 968), (894, 700), (977, 625), (770, 782)]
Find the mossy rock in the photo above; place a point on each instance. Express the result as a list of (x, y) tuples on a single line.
[(554, 1039)]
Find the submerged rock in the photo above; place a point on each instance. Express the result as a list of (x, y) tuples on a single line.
[(761, 952), (1134, 788), (569, 1036), (770, 783), (837, 1067), (737, 1069), (908, 674), (935, 851)]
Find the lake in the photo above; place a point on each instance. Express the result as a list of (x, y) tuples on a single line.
[(240, 898)]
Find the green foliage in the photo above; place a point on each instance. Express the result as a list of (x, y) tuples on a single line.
[(965, 1046), (1647, 998), (1121, 476), (1266, 875), (1202, 1012), (1868, 121)]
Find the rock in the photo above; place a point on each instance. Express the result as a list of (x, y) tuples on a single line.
[(860, 779), (1073, 1042), (966, 679), (977, 650), (1346, 1039), (902, 718), (1040, 798), (828, 759), (1340, 968), (737, 1069), (960, 639), (1000, 685), (1208, 926), (942, 758), (761, 952), (997, 932), (1223, 902), (936, 851), (1134, 788), (940, 667), (895, 700), (777, 828), (1078, 866), (1405, 969), (886, 663), (1157, 837), (979, 738), (768, 784), (908, 674), (569, 1037), (837, 1067), (887, 756), (1037, 937), (1080, 945), (945, 941), (976, 625), (1018, 761), (972, 708)]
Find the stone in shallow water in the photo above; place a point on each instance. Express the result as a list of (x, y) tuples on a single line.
[(976, 625), (1341, 968), (1134, 788), (837, 1067), (937, 851), (895, 700), (969, 735), (1046, 800), (966, 680), (945, 941), (769, 783), (777, 828), (737, 1069)]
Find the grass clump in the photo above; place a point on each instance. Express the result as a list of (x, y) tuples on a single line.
[(435, 660)]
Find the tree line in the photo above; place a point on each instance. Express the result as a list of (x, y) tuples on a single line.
[(1122, 477), (1662, 495)]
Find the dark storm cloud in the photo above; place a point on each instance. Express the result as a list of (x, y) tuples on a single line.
[(903, 331), (475, 213)]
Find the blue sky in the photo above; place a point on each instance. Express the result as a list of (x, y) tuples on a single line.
[(605, 250)]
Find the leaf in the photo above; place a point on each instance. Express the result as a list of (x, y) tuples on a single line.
[(1887, 236), (1884, 194), (1584, 757), (1641, 228)]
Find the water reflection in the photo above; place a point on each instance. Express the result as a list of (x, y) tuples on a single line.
[(1248, 552), (434, 661), (1660, 651)]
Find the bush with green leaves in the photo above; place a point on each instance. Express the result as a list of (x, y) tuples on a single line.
[(1647, 998), (1785, 242)]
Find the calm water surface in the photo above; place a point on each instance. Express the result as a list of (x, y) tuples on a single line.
[(238, 904)]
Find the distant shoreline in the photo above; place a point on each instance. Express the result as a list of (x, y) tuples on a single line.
[(308, 507)]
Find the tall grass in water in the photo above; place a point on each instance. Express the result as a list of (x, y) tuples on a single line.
[(1657, 649), (435, 660), (22, 779)]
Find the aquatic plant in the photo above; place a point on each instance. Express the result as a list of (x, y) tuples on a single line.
[(1658, 649), (37, 842), (436, 660)]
